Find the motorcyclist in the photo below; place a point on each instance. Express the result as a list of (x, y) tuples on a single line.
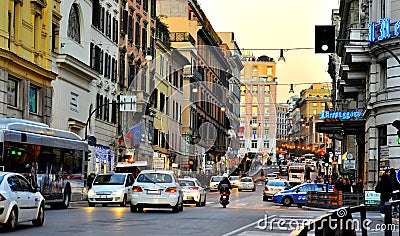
[(226, 181)]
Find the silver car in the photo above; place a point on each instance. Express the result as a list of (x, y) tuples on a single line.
[(111, 188), (19, 201), (193, 192), (274, 186), (214, 182), (156, 189)]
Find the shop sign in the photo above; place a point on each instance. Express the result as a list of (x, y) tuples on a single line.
[(383, 30), (372, 197), (344, 115)]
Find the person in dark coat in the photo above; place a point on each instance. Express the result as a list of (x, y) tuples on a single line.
[(346, 185), (384, 187), (339, 184), (395, 188), (90, 180), (359, 186)]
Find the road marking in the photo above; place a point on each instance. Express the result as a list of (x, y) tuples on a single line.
[(240, 229)]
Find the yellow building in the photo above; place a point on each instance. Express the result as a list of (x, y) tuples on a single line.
[(28, 37)]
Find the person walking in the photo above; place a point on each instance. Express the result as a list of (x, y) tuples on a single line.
[(395, 188), (359, 186), (384, 187)]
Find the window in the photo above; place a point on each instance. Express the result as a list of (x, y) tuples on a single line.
[(266, 133), (12, 92), (266, 110), (383, 75), (266, 144), (314, 104), (382, 135), (73, 104), (254, 133), (266, 99), (137, 31), (242, 110), (266, 89), (115, 30), (130, 29), (254, 121), (269, 70), (74, 24), (266, 121), (254, 110), (253, 143), (255, 88), (33, 99), (254, 99), (243, 98)]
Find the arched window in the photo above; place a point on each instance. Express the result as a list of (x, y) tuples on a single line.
[(73, 24)]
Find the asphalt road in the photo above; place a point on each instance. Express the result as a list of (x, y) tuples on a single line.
[(246, 215)]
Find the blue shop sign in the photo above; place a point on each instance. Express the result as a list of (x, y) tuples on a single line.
[(383, 30), (344, 115)]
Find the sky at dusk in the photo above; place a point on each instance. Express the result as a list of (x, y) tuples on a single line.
[(277, 24)]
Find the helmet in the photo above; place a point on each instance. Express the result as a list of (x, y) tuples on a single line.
[(225, 175)]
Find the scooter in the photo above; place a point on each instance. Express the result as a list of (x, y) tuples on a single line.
[(224, 195)]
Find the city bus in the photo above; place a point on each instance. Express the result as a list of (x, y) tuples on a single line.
[(51, 159)]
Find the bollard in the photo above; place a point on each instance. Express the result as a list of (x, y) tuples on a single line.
[(363, 214), (388, 218)]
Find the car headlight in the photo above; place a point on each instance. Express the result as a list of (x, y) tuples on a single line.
[(91, 192)]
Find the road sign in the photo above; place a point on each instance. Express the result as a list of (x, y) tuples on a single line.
[(398, 176), (127, 103)]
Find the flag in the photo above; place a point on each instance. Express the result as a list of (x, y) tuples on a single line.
[(120, 139), (136, 134), (129, 135)]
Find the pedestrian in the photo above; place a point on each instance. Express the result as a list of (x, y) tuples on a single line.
[(339, 184), (384, 187), (359, 186), (90, 180), (395, 188), (346, 185)]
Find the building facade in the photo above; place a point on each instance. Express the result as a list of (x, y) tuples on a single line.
[(26, 58), (258, 107)]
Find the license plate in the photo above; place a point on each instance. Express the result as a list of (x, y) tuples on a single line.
[(154, 192), (103, 196)]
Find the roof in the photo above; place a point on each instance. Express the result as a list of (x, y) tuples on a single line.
[(127, 164), (157, 171)]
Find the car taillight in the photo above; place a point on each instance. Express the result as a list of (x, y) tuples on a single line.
[(194, 188), (137, 189), (223, 193), (266, 188), (171, 190), (2, 198)]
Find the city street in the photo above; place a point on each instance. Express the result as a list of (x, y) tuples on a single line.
[(241, 217)]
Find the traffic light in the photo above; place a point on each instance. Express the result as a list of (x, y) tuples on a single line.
[(396, 124), (324, 39), (326, 158)]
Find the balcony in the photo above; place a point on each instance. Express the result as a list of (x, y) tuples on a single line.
[(182, 37)]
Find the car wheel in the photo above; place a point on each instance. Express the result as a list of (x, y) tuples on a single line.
[(123, 203), (133, 208), (240, 189), (91, 204), (40, 217), (287, 201), (140, 209), (11, 223), (181, 207), (205, 199), (265, 198), (254, 189), (175, 208), (198, 203)]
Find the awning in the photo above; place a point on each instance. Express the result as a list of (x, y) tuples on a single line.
[(348, 127)]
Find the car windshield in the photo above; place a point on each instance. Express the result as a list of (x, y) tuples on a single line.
[(186, 183), (216, 179), (115, 179), (154, 178), (277, 183), (246, 180), (234, 177)]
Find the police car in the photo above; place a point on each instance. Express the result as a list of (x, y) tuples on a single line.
[(298, 194)]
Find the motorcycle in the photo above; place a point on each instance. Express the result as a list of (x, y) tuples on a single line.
[(224, 195)]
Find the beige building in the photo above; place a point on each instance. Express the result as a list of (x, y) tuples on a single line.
[(257, 107)]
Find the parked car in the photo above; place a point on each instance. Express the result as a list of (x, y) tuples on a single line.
[(272, 176), (273, 186), (247, 183), (214, 182), (298, 194), (19, 201), (193, 192), (111, 188), (156, 189), (235, 180)]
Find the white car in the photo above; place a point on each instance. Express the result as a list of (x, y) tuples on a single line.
[(235, 180), (111, 188), (156, 189), (19, 201), (192, 191), (214, 182), (247, 183)]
